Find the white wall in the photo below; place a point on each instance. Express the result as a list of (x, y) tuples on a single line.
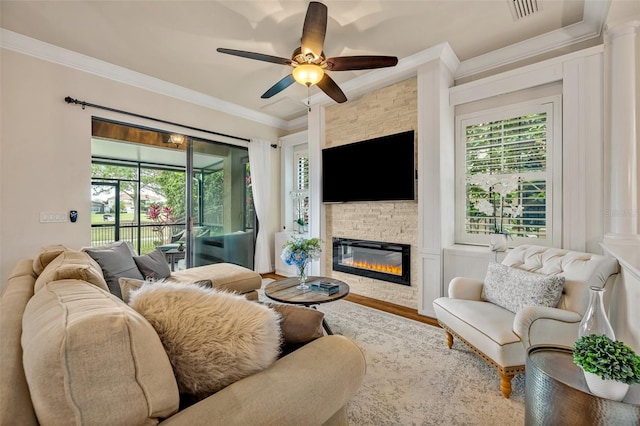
[(45, 148)]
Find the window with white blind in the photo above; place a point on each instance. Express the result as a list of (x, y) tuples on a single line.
[(505, 171), (301, 171), (300, 193)]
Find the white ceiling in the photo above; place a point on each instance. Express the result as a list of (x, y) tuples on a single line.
[(176, 41)]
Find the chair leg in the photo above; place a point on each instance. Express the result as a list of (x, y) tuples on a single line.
[(505, 384), (449, 339)]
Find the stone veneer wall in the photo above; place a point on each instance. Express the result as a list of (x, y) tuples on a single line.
[(390, 110)]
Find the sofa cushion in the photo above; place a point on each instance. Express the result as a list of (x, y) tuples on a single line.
[(212, 338), (15, 401), (91, 359), (46, 255), (224, 276), (487, 327), (153, 265), (298, 323), (116, 260), (513, 289), (72, 264)]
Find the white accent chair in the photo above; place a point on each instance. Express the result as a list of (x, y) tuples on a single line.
[(502, 337)]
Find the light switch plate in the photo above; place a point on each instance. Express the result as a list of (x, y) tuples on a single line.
[(53, 217)]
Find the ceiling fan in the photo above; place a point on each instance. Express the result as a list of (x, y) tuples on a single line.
[(308, 61)]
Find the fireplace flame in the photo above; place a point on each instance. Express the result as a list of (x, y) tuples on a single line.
[(378, 267)]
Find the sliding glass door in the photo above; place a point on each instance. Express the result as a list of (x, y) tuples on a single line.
[(190, 198), (220, 205)]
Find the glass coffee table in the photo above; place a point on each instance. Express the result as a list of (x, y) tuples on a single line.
[(285, 291)]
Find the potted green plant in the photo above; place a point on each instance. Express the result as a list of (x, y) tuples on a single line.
[(609, 366)]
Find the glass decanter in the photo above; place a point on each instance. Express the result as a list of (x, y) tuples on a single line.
[(595, 320)]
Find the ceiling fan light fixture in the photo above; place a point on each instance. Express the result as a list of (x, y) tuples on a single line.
[(308, 74)]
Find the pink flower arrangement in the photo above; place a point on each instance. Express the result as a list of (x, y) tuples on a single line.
[(162, 216)]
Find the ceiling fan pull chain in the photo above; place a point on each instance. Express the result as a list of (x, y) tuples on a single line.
[(309, 98)]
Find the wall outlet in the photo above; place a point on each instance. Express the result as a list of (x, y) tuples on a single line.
[(53, 217)]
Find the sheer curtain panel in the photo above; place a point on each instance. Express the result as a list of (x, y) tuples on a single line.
[(260, 166)]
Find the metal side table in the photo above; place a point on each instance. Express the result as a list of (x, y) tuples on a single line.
[(556, 393)]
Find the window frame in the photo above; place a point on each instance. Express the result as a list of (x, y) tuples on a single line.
[(552, 105)]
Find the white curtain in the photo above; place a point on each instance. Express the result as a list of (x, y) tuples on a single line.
[(260, 164)]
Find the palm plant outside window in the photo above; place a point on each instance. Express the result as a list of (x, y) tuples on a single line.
[(507, 175)]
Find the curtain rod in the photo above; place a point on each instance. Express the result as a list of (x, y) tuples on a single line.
[(84, 104)]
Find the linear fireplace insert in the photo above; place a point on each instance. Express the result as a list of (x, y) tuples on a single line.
[(380, 260)]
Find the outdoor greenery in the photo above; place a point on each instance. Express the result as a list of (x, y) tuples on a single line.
[(170, 184), (612, 360), (162, 190)]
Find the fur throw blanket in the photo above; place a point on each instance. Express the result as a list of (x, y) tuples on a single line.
[(212, 338)]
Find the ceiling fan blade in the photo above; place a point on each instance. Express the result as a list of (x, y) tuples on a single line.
[(350, 63), (256, 56), (332, 90), (278, 87), (314, 29)]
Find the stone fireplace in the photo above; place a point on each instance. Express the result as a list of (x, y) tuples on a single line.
[(383, 261), (392, 109)]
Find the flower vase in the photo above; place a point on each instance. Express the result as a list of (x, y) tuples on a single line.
[(302, 277), (498, 242), (595, 319)]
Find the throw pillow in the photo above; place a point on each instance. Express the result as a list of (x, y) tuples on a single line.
[(128, 286), (46, 255), (514, 289), (153, 265), (212, 338), (116, 260), (298, 324), (71, 264)]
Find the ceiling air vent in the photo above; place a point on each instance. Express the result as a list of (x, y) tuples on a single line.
[(522, 8)]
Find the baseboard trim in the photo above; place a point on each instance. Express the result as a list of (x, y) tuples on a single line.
[(380, 305), (392, 308)]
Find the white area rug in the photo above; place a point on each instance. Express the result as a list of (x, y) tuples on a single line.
[(414, 379)]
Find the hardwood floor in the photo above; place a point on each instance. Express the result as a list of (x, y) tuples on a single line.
[(391, 308)]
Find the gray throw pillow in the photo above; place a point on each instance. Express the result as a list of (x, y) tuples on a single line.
[(514, 289), (115, 260), (153, 265)]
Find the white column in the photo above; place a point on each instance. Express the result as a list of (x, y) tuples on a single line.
[(317, 226), (623, 240), (621, 42), (436, 178)]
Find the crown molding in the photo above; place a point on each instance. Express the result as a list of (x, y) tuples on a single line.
[(594, 16), (48, 52), (407, 67)]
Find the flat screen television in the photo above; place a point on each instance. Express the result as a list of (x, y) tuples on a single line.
[(380, 169)]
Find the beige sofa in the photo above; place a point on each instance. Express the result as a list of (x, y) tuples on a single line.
[(72, 353)]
